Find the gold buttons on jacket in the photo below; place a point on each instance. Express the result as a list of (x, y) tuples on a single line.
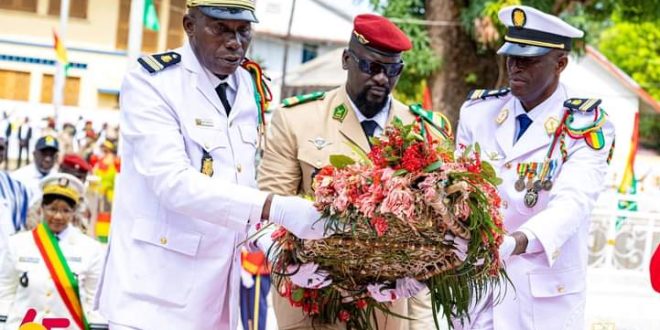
[(163, 240), (505, 204), (507, 166), (47, 311), (49, 293), (561, 288), (239, 168)]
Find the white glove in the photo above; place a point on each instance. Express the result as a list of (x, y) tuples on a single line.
[(507, 247), (404, 289), (246, 279), (309, 276), (297, 215)]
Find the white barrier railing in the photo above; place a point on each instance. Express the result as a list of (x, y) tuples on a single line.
[(629, 247)]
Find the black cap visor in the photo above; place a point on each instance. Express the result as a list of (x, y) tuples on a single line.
[(225, 13), (514, 49)]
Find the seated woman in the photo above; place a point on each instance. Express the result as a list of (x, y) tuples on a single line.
[(53, 268)]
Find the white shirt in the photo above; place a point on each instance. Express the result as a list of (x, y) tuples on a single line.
[(230, 80), (24, 129), (380, 118), (31, 178), (538, 111)]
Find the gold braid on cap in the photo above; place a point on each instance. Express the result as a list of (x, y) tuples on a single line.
[(241, 4), (66, 191)]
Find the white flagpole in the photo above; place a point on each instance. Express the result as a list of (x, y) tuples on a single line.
[(60, 73), (135, 30)]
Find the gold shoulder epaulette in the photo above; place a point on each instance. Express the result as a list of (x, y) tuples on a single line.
[(158, 62), (487, 93), (301, 99), (582, 105)]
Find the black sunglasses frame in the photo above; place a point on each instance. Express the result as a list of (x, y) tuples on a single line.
[(373, 68)]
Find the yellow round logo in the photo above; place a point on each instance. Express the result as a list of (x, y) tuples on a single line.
[(518, 18)]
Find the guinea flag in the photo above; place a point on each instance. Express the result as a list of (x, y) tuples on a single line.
[(595, 139)]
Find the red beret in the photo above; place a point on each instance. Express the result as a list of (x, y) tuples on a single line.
[(77, 162), (380, 33)]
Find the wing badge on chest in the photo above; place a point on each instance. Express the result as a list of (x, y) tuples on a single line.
[(320, 142)]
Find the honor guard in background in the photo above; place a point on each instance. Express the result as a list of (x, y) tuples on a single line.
[(186, 194), (53, 268), (307, 129), (551, 150)]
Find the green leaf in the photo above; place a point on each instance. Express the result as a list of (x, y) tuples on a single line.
[(477, 148), (400, 172), (298, 294), (341, 161), (359, 152), (433, 166), (490, 174)]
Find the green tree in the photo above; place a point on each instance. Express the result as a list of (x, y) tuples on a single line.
[(464, 35), (635, 48)]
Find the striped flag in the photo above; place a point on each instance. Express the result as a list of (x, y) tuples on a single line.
[(628, 185), (103, 227), (60, 52), (150, 16)]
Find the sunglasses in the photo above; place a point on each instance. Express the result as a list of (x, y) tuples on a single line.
[(373, 68)]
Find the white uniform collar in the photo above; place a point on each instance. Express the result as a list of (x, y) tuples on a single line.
[(64, 233), (380, 118), (215, 81), (537, 113)]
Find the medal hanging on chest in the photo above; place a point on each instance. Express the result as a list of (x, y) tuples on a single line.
[(531, 198), (207, 164), (520, 183), (531, 173)]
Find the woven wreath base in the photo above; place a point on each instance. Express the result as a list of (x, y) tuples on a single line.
[(359, 256)]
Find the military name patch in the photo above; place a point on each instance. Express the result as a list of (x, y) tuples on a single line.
[(158, 62), (31, 260)]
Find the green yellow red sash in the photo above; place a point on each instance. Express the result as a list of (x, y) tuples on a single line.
[(65, 282)]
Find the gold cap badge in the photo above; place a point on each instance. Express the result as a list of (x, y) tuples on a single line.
[(518, 17)]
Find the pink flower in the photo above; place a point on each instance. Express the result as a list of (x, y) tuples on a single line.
[(399, 201), (344, 315)]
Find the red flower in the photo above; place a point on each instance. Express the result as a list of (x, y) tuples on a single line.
[(326, 171), (315, 309), (413, 158), (376, 155), (380, 225), (280, 232), (344, 315), (361, 304)]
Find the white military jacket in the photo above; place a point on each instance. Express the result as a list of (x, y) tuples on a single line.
[(173, 261), (550, 284), (25, 281)]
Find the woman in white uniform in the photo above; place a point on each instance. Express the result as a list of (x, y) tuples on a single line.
[(53, 268)]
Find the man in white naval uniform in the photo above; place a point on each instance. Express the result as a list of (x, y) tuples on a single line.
[(185, 196), (551, 151)]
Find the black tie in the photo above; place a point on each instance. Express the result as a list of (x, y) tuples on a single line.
[(369, 127), (222, 93), (524, 122)]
